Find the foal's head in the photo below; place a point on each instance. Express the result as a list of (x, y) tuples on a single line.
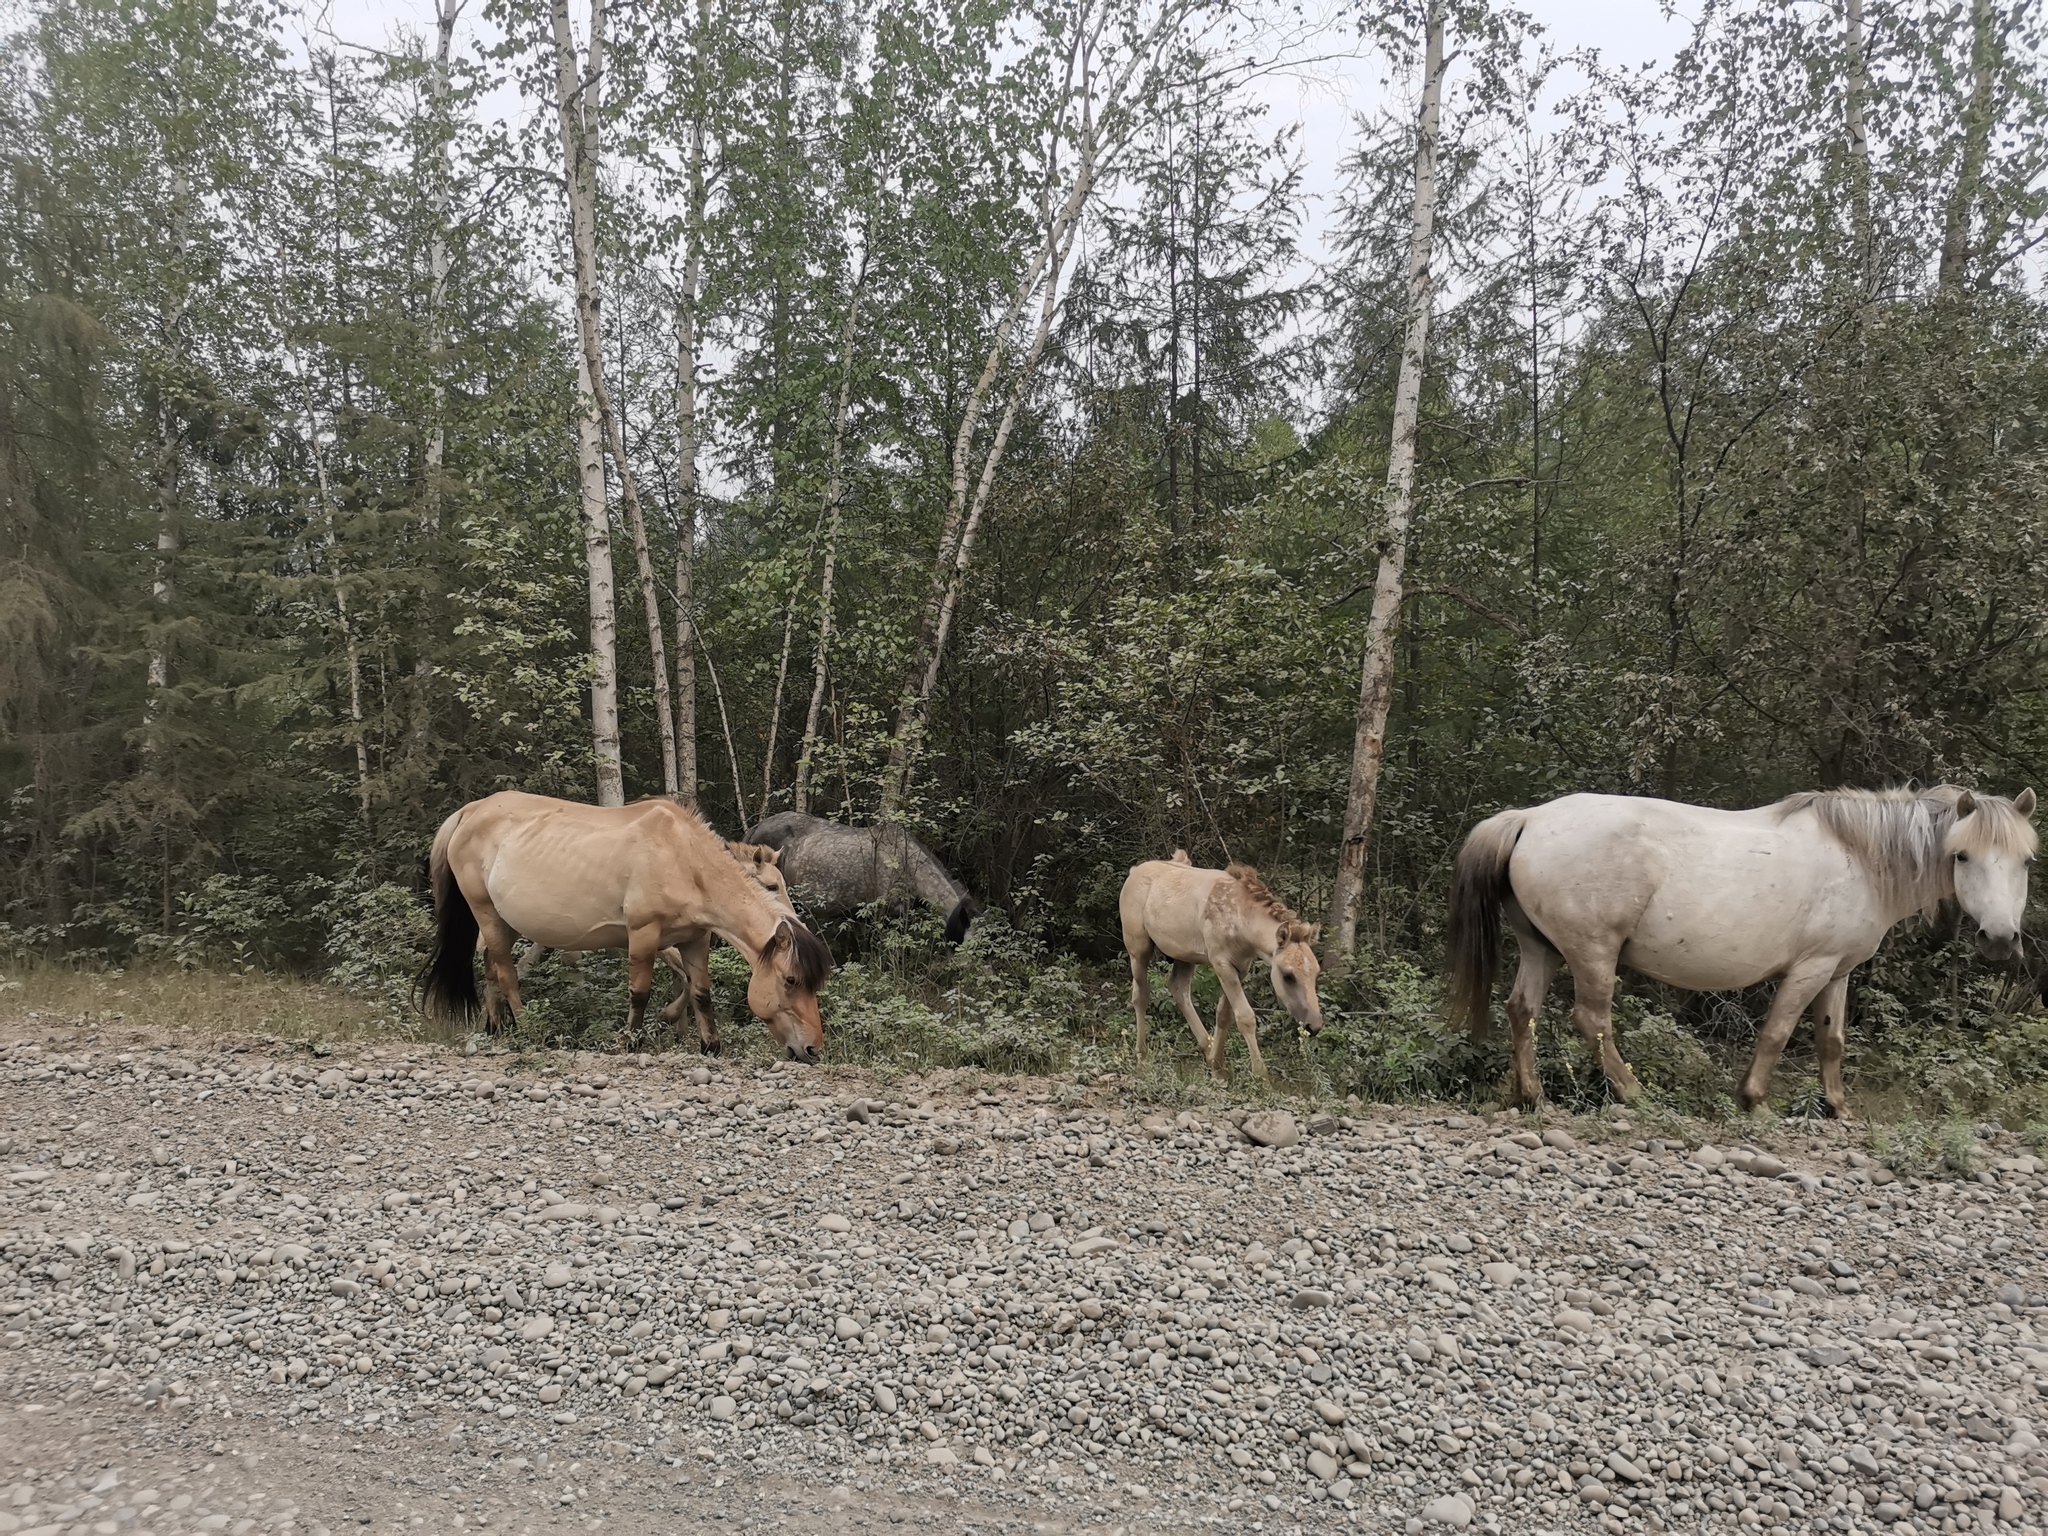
[(1990, 847), (783, 991), (1295, 970)]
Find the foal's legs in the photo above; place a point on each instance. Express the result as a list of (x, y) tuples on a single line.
[(1181, 986), (1525, 1005), (1801, 984), (1593, 1013), (691, 961), (1141, 987), (1830, 1040), (1235, 1003)]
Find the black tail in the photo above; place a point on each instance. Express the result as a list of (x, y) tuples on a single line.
[(1478, 887), (958, 919), (447, 985)]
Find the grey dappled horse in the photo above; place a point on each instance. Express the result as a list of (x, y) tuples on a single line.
[(835, 870)]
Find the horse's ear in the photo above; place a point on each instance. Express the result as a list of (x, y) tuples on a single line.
[(769, 855), (1966, 804), (2024, 804), (778, 941)]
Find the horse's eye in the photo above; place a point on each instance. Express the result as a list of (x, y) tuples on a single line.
[(1962, 858)]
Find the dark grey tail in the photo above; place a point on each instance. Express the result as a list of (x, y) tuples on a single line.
[(1478, 888), (447, 986), (958, 919)]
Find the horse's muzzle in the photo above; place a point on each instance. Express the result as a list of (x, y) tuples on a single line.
[(2000, 947), (810, 1056)]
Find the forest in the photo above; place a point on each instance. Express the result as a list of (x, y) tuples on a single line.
[(967, 416)]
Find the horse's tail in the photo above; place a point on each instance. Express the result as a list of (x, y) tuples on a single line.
[(447, 983), (958, 919), (1478, 888)]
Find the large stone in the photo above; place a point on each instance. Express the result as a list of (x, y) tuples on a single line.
[(1272, 1128), (1453, 1509), (1324, 1466)]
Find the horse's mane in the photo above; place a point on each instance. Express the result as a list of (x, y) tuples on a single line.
[(753, 853), (1292, 929), (1900, 836)]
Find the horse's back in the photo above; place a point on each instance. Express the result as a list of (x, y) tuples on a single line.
[(1703, 898)]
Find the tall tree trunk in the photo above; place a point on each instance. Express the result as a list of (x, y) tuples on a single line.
[(579, 104), (686, 467), (963, 517), (782, 667), (604, 622), (1961, 211), (343, 619), (169, 477), (1376, 680), (445, 13), (834, 506), (1854, 95)]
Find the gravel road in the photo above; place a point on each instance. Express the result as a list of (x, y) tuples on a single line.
[(246, 1288)]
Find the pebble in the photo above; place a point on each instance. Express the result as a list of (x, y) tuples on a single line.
[(1453, 1509)]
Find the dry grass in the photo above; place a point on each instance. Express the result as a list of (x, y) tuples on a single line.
[(199, 1002)]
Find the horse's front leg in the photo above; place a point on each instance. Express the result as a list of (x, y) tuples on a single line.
[(1801, 985), (1237, 1005), (1830, 1041), (1593, 1013), (1141, 990), (643, 943), (1181, 985), (692, 965)]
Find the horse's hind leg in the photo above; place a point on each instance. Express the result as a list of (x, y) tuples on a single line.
[(1141, 988), (1525, 1005), (501, 976), (1593, 1013), (1800, 986), (1180, 984), (1830, 1040)]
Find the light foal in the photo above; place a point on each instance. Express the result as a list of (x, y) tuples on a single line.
[(1800, 892), (1227, 920), (639, 877)]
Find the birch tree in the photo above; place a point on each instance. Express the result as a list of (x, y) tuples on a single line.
[(1376, 675), (1105, 65), (579, 102)]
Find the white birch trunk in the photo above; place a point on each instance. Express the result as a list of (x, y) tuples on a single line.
[(834, 504), (1978, 114), (1376, 680), (579, 104), (686, 471), (597, 561)]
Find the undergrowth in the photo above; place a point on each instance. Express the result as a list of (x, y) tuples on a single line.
[(1939, 1043)]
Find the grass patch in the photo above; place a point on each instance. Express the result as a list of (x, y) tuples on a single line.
[(203, 1001)]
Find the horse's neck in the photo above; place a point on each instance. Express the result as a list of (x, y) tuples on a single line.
[(735, 908)]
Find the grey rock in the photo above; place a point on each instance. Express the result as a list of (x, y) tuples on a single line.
[(1272, 1128)]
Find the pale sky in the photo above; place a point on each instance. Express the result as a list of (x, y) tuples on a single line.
[(1624, 32)]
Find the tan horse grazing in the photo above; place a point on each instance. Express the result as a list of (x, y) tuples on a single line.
[(638, 877), (1225, 919), (1800, 892), (689, 959)]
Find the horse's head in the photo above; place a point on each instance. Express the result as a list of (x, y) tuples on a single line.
[(1295, 970), (1990, 847), (783, 991)]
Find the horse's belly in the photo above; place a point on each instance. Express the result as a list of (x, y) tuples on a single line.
[(1698, 967)]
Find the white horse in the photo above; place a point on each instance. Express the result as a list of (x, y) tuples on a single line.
[(1802, 892)]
